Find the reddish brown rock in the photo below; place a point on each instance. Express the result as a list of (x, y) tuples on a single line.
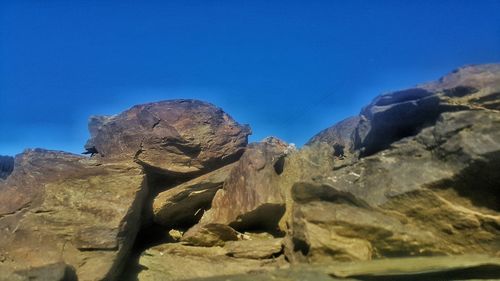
[(185, 204), (59, 207), (171, 137), (250, 197)]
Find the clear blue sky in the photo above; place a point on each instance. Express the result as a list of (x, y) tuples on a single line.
[(287, 68)]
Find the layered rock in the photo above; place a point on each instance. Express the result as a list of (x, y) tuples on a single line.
[(339, 137), (400, 114), (6, 166), (180, 137), (59, 207), (425, 184), (185, 204), (250, 197), (180, 262)]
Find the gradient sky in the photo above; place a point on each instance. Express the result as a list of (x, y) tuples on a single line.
[(287, 68)]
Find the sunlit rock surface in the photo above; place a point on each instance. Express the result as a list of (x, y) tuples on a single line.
[(170, 137), (59, 207)]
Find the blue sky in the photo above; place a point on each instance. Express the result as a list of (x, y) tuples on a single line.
[(287, 68)]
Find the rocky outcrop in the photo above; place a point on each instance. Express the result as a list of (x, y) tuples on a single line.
[(6, 166), (180, 262), (250, 197), (469, 267), (177, 137), (59, 207), (339, 137), (407, 190), (185, 204), (424, 185), (396, 115), (52, 272)]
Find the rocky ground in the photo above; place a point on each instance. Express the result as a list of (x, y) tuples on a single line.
[(407, 190)]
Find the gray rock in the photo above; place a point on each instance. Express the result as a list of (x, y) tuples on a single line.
[(6, 166)]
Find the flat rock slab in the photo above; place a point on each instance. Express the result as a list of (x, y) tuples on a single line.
[(60, 207), (170, 137), (171, 262)]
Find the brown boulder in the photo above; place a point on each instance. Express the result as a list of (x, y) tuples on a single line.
[(58, 207), (180, 262), (170, 137), (185, 204), (250, 197), (432, 191)]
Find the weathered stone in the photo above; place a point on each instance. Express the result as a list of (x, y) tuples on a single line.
[(208, 235), (178, 262), (393, 116), (255, 248), (51, 272), (185, 204), (6, 166), (432, 194), (467, 267), (250, 197), (173, 137), (58, 207), (339, 136)]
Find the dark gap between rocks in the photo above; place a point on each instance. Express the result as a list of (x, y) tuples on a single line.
[(150, 234)]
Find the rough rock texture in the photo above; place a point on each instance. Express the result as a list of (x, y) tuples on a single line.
[(185, 204), (250, 198), (6, 166), (211, 234), (50, 272), (396, 115), (338, 136), (426, 184), (179, 262), (467, 267), (59, 207), (171, 137)]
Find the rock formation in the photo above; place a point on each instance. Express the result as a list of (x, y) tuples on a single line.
[(406, 190), (170, 137)]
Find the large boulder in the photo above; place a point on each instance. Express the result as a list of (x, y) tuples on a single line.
[(250, 197), (400, 114), (58, 207), (180, 137), (6, 166), (184, 204), (431, 190)]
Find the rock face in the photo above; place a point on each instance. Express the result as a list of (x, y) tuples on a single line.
[(6, 166), (180, 262), (407, 190), (58, 207), (426, 184), (250, 198), (339, 137), (172, 137), (186, 203)]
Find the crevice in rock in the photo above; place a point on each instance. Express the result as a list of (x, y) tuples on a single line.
[(279, 165), (460, 91), (6, 166), (253, 221), (148, 237)]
